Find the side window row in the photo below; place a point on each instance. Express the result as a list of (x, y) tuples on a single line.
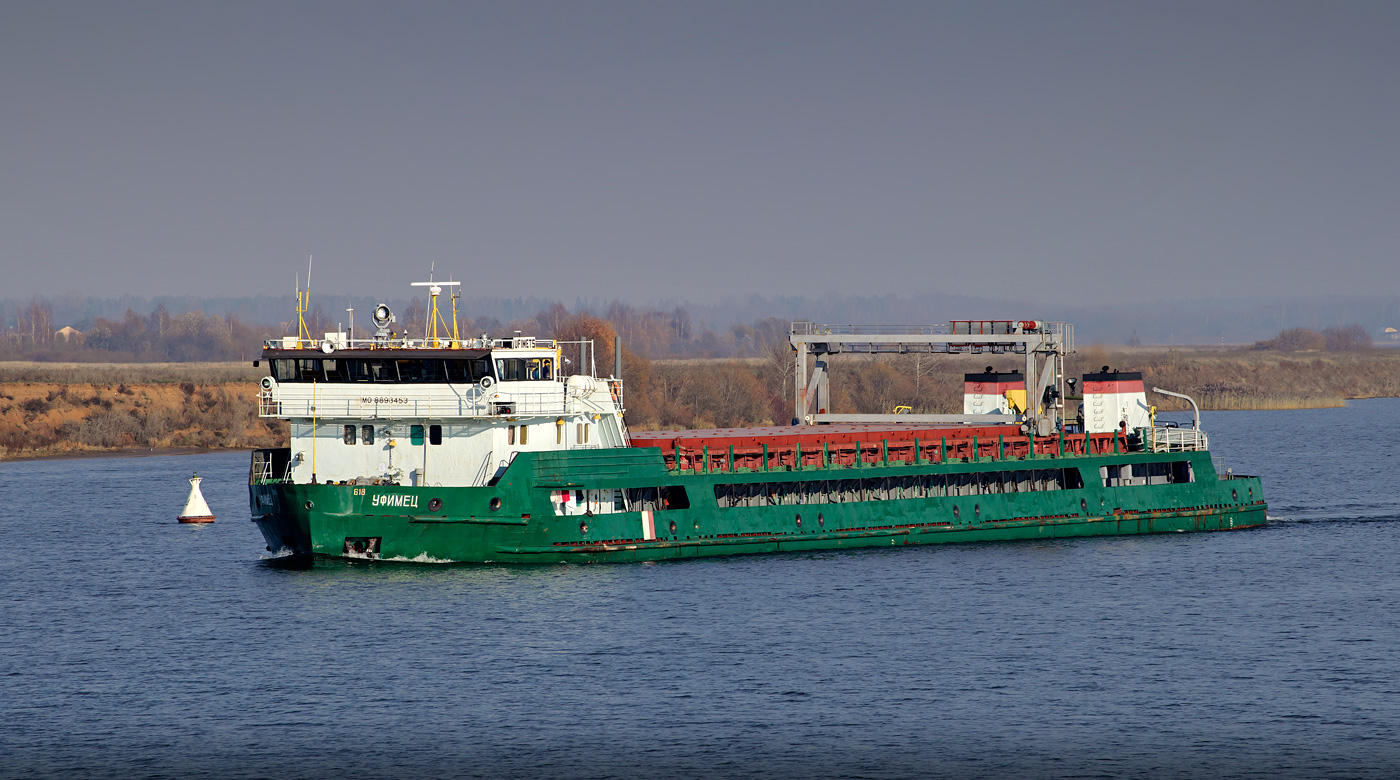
[(415, 434)]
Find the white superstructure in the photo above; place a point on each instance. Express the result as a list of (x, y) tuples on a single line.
[(436, 411)]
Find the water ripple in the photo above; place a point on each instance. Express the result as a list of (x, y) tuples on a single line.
[(137, 647)]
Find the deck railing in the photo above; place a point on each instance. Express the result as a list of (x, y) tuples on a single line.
[(435, 405), (1169, 439), (269, 466)]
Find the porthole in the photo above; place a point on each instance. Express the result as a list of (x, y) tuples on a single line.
[(434, 504), (977, 511), (821, 521), (309, 505), (495, 504), (957, 513), (799, 521), (583, 527), (673, 527), (1083, 505), (1251, 494), (1235, 495)]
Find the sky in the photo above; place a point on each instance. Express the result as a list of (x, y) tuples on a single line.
[(1074, 151)]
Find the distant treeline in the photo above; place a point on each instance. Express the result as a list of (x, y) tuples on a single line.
[(1336, 339), (196, 337), (156, 337), (1113, 321)]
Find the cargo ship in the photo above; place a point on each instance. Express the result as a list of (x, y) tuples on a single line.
[(514, 450)]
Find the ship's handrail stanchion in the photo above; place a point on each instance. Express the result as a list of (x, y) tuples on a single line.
[(438, 405), (1168, 439)]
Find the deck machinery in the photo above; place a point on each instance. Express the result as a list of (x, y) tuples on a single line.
[(1044, 345)]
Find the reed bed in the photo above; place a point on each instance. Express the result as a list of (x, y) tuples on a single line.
[(1232, 402)]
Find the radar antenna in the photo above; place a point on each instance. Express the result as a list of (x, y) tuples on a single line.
[(430, 332)]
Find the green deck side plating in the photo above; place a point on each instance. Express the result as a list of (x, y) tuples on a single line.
[(515, 521)]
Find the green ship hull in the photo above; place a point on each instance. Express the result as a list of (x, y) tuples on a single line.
[(520, 518)]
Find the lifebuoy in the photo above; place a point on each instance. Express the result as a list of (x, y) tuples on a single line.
[(616, 392), (486, 382)]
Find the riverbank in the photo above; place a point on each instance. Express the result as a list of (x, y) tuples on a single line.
[(1244, 379), (119, 452), (82, 409), (78, 410)]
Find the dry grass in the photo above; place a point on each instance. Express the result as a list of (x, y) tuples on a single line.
[(130, 406), (129, 373), (48, 408), (1254, 379), (1231, 402)]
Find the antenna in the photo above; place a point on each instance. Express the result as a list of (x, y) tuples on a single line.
[(434, 289), (303, 304), (351, 310), (456, 339)]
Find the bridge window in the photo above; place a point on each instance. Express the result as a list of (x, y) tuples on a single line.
[(367, 434), (298, 370), (435, 434), (405, 370), (421, 371), (310, 371), (524, 369), (510, 369), (362, 370), (349, 434), (415, 435), (468, 371)]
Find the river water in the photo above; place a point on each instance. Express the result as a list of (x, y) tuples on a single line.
[(131, 646)]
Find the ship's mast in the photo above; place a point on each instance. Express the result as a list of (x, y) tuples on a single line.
[(430, 334), (303, 305)]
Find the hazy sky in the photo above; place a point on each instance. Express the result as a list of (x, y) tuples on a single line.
[(689, 150)]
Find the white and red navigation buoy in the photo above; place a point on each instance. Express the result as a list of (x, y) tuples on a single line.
[(196, 510)]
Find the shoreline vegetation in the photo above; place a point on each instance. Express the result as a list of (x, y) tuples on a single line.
[(78, 409)]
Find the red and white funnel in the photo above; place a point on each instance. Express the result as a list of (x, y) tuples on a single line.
[(1113, 399)]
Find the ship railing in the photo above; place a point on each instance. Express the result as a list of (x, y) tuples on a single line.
[(337, 343), (814, 329), (386, 404), (270, 466), (1171, 439), (268, 405), (616, 389), (1224, 472), (1063, 331)]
